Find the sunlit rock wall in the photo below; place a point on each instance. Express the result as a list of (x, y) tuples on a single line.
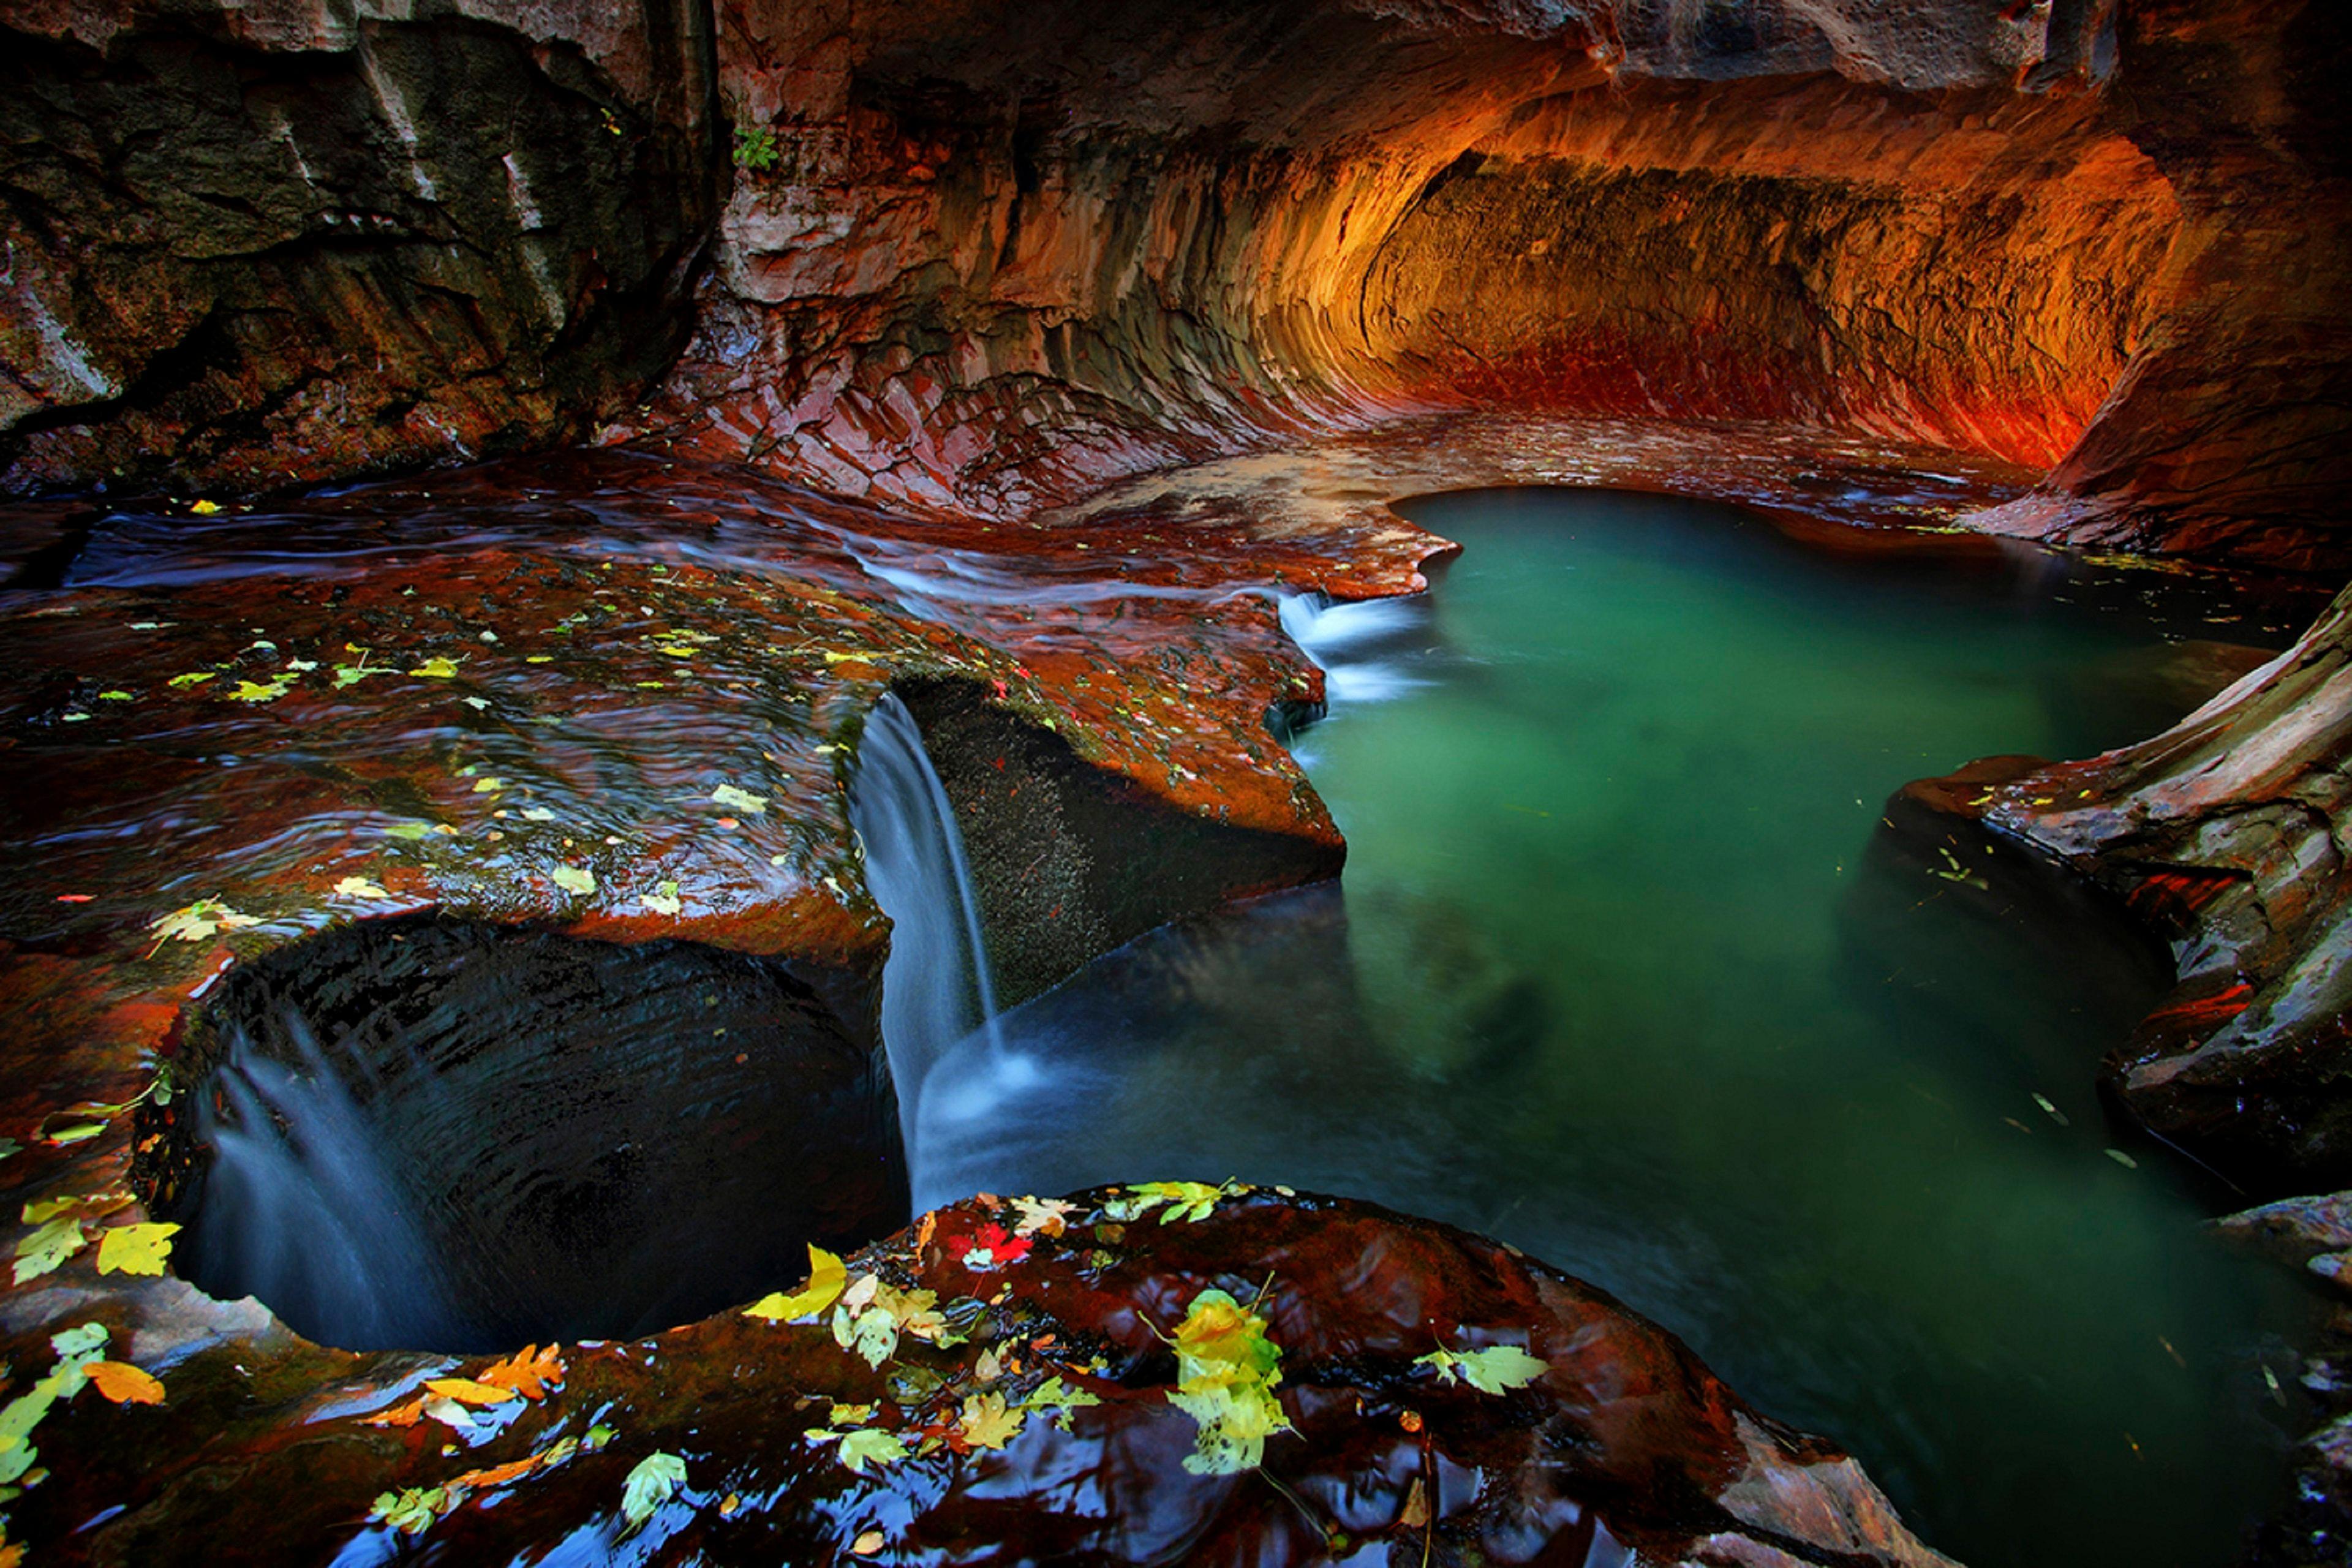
[(260, 244)]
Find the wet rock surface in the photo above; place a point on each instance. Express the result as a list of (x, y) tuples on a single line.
[(2314, 1234), (1622, 1445)]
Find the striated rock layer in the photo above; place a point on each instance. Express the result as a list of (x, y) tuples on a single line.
[(981, 257)]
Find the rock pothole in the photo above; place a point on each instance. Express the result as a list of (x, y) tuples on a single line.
[(431, 1135)]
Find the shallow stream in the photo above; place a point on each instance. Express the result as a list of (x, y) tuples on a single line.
[(1634, 966)]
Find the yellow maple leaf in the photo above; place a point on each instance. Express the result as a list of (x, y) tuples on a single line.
[(987, 1424)]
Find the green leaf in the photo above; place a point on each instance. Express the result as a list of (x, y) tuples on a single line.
[(45, 1249), (1060, 1398), (653, 1482), (438, 668), (870, 1446), (741, 800), (193, 677), (1499, 1369), (1189, 1201), (199, 920), (872, 1333), (260, 690), (412, 1509), (664, 899), (574, 879), (81, 1341)]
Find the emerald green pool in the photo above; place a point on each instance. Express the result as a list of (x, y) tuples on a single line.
[(1633, 966)]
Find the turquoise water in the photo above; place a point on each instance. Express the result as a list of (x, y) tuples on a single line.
[(1634, 966)]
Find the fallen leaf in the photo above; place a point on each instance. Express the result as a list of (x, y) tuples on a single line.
[(193, 677), (260, 690), (412, 1510), (135, 1248), (123, 1384), (1059, 1398), (574, 879), (530, 1371), (1226, 1372), (827, 1275), (868, 1543), (1042, 1216), (987, 1424), (1496, 1370), (204, 508), (438, 668), (359, 888), (407, 1414), (654, 1481), (466, 1391), (45, 1250), (495, 1475), (199, 920), (735, 799), (865, 1446), (1189, 1201), (664, 899)]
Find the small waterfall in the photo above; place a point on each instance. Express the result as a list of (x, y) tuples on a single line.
[(1357, 643), (936, 988), (301, 1209)]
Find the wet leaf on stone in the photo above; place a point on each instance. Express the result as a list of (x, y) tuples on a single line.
[(123, 1384), (1226, 1372), (466, 1391), (193, 677), (530, 1371), (574, 879), (654, 1481), (80, 1342), (987, 1422), (664, 899), (1043, 1217), (45, 1249), (1189, 1201), (742, 800), (261, 691), (135, 1248), (359, 888), (438, 668), (827, 1276), (1499, 1369)]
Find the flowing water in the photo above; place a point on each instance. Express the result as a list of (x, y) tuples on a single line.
[(1634, 966), (936, 988)]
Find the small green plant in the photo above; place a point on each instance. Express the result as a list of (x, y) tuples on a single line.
[(755, 147)]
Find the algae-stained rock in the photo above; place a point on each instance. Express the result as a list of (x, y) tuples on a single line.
[(1049, 1433)]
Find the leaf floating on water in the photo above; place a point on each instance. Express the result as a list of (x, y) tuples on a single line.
[(438, 668), (261, 691), (359, 888), (654, 1481), (735, 799), (664, 899), (122, 1383), (1226, 1372), (537, 813), (1055, 1395), (204, 508), (135, 1248), (865, 1446), (413, 1511), (1496, 1370), (2125, 1161), (869, 1542), (2056, 1114), (827, 1276), (574, 879), (199, 921), (987, 1424), (489, 786), (193, 677)]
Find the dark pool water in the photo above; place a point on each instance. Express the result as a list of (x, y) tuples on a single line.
[(1633, 966)]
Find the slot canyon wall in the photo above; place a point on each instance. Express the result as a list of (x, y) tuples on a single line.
[(981, 260)]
